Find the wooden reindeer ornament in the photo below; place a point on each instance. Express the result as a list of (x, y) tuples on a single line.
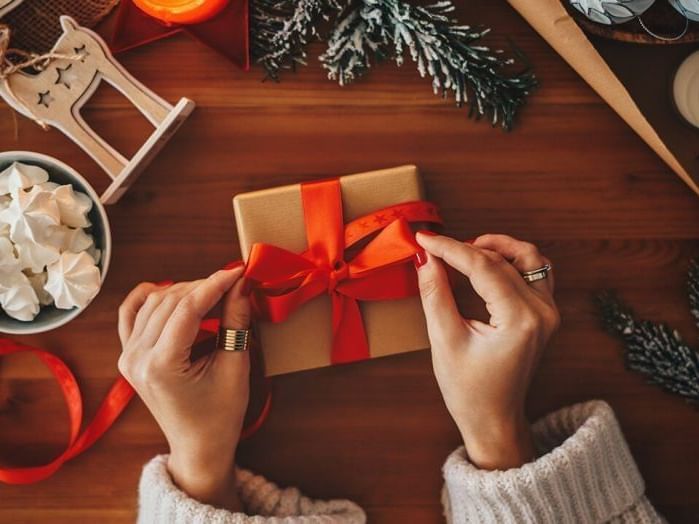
[(66, 78), (8, 5)]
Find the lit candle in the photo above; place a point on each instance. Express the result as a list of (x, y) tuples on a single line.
[(181, 11)]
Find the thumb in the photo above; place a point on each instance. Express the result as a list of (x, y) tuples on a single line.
[(444, 322)]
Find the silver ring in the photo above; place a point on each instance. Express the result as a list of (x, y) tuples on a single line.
[(537, 274), (233, 339)]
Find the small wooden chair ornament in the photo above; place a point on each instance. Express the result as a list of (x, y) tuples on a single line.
[(8, 5), (68, 76)]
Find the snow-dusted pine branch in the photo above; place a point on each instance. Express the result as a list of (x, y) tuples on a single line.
[(656, 350), (693, 290), (281, 29), (448, 52)]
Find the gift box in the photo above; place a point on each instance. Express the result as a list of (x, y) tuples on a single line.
[(330, 265)]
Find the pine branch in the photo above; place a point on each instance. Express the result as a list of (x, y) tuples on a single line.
[(281, 30), (450, 53), (654, 350), (693, 289)]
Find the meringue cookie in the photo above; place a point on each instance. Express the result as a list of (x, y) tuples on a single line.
[(68, 239), (31, 214), (21, 176), (48, 186), (95, 253), (8, 261), (76, 240), (17, 297), (38, 282), (35, 257), (73, 280), (5, 202), (73, 206)]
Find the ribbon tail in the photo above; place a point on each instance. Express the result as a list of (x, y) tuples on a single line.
[(349, 337), (116, 401)]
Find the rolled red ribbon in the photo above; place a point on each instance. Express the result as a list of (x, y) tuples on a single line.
[(118, 397)]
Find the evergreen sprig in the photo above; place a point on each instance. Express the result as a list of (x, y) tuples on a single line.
[(281, 30), (693, 290), (448, 52), (656, 350), (366, 31)]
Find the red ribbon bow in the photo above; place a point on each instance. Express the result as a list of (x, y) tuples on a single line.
[(383, 270)]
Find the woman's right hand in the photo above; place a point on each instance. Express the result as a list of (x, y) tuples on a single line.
[(484, 369)]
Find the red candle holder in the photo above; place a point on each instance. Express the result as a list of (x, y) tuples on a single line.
[(222, 25), (181, 11)]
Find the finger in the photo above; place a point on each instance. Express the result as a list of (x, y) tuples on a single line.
[(150, 306), (522, 255), (444, 322), (235, 315), (236, 308), (130, 307), (491, 277), (162, 312), (182, 327)]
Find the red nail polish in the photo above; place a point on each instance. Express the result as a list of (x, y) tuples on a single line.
[(165, 283), (420, 259), (428, 233)]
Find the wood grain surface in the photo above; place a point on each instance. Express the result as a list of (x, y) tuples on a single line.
[(572, 177)]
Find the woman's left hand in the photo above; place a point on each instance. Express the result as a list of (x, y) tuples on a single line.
[(200, 404)]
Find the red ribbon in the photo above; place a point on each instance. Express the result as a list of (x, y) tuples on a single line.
[(118, 397), (282, 281)]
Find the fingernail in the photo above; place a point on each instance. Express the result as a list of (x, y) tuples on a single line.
[(420, 259), (428, 233), (165, 283), (232, 265)]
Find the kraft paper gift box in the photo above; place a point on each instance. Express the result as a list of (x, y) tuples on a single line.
[(304, 340)]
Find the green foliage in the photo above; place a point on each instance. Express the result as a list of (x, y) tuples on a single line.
[(368, 31), (656, 350), (281, 29)]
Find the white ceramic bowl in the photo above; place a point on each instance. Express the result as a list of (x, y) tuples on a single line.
[(51, 317)]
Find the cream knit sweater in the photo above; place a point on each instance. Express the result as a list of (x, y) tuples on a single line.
[(585, 473)]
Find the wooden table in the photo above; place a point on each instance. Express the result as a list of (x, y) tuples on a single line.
[(572, 177)]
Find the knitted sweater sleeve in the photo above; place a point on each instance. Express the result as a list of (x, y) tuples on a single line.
[(161, 502), (584, 474)]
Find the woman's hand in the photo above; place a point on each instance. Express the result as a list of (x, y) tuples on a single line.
[(484, 370), (199, 405)]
